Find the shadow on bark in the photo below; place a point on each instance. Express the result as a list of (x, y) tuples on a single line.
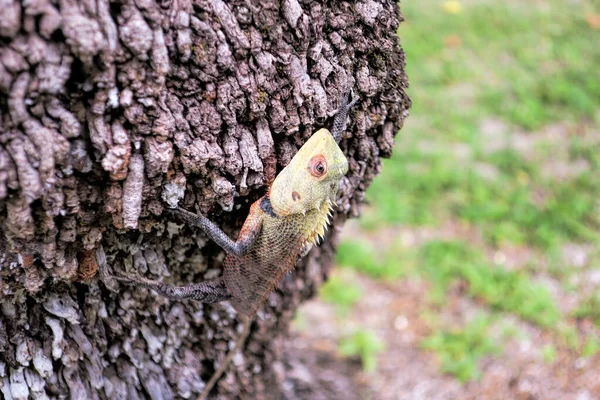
[(108, 109)]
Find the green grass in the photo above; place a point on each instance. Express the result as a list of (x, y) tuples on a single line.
[(361, 257), (526, 76), (425, 189), (509, 291), (591, 347), (589, 308), (489, 83), (460, 350), (502, 68), (364, 344), (341, 291), (549, 354), (442, 262)]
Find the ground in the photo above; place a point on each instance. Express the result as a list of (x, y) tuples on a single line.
[(474, 272)]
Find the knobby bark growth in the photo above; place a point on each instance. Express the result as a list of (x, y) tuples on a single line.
[(109, 110)]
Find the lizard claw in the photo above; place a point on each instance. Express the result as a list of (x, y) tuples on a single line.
[(347, 101), (123, 277), (353, 101), (129, 279), (103, 274), (110, 279), (339, 122)]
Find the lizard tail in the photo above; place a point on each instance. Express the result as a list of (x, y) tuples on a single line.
[(240, 342), (339, 122)]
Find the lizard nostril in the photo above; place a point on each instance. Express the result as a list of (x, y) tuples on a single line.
[(296, 196)]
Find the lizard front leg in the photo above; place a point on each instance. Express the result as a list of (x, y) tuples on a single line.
[(248, 236), (214, 290), (210, 291)]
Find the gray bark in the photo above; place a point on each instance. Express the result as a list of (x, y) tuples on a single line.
[(110, 109)]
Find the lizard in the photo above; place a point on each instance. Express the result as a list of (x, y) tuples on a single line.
[(281, 227)]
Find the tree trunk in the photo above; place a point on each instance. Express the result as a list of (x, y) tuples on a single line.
[(109, 110)]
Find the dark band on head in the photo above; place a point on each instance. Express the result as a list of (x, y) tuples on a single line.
[(267, 207)]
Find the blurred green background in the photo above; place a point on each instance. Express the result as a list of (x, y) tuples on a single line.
[(482, 232)]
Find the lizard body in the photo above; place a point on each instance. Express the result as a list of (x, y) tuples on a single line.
[(293, 217), (281, 227)]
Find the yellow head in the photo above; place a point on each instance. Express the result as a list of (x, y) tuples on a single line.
[(312, 178)]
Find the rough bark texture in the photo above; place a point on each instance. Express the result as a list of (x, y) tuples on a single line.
[(109, 110)]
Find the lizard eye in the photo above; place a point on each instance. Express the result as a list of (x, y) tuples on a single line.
[(317, 166)]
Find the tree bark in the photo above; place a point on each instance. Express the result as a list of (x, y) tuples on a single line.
[(109, 110)]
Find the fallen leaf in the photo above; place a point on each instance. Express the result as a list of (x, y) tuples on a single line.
[(522, 178), (452, 7), (593, 21), (452, 41)]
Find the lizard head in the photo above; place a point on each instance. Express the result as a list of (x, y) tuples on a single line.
[(311, 179)]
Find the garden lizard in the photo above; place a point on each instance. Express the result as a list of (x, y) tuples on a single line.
[(281, 227)]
